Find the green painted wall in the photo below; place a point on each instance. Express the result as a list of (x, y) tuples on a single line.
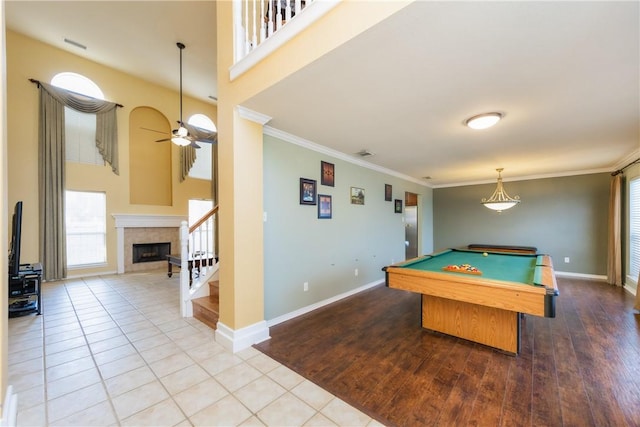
[(300, 248), (563, 217)]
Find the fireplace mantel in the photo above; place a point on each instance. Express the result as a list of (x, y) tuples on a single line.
[(141, 221)]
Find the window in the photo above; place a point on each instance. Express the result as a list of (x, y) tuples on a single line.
[(86, 223), (202, 238), (634, 228), (202, 166), (80, 128)]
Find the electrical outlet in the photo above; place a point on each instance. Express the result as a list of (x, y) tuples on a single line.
[(305, 286), (567, 260), (356, 271)]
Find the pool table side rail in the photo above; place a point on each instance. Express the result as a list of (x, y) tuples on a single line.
[(493, 293)]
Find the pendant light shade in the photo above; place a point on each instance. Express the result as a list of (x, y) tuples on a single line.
[(500, 200)]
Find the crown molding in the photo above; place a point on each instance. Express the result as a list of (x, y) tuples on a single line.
[(254, 116), (293, 139)]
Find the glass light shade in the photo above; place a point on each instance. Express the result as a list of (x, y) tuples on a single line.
[(483, 121), (179, 140), (500, 200), (182, 131)]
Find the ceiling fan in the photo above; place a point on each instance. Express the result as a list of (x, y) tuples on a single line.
[(187, 134)]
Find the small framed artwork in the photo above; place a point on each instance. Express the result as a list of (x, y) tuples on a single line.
[(307, 191), (324, 206), (387, 192), (398, 206), (357, 196), (327, 173)]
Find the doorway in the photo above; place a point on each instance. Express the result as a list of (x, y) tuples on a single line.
[(411, 225)]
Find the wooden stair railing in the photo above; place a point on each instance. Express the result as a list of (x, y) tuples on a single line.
[(198, 250), (202, 246)]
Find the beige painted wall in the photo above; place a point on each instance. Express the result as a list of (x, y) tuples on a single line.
[(4, 244), (240, 148), (27, 58)]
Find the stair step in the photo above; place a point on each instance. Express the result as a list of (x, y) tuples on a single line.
[(206, 310)]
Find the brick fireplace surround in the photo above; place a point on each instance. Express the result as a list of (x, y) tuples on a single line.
[(133, 228)]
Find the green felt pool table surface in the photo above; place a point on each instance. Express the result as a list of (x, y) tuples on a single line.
[(518, 268)]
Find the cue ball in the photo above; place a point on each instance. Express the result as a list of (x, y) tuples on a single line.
[(485, 254)]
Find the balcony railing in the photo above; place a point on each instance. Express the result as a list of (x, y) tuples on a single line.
[(260, 23)]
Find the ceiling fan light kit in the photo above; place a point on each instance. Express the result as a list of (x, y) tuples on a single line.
[(500, 200), (484, 121)]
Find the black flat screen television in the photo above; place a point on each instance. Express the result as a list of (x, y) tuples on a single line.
[(14, 250)]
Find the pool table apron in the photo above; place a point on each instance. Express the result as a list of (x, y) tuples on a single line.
[(480, 310)]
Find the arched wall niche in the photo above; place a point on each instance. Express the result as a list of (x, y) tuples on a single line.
[(150, 161)]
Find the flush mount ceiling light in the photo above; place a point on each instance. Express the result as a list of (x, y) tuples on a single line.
[(483, 121), (500, 200)]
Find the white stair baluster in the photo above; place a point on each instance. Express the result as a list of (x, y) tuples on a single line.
[(263, 26), (279, 15), (288, 11)]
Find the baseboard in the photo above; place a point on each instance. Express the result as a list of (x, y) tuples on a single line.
[(597, 277), (9, 409), (239, 339), (319, 304)]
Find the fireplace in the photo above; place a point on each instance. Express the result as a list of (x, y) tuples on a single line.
[(136, 229), (150, 252)]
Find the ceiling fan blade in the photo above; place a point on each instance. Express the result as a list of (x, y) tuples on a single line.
[(153, 130), (195, 145), (163, 140)]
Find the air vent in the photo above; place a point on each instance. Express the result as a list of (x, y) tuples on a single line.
[(365, 153)]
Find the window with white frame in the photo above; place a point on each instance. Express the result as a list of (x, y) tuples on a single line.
[(86, 224), (79, 128), (634, 229), (202, 238), (202, 166)]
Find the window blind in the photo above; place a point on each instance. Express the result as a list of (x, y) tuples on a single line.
[(634, 227)]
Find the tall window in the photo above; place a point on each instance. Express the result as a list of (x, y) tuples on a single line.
[(86, 222), (202, 166), (634, 228), (80, 128)]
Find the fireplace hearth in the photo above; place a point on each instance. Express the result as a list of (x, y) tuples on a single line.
[(150, 252)]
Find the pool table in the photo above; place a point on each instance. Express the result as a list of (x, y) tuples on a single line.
[(483, 306)]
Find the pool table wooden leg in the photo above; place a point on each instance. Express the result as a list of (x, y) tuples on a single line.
[(485, 325)]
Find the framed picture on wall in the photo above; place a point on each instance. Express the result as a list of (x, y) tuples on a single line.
[(398, 206), (387, 192), (357, 196), (327, 172), (324, 206), (307, 191)]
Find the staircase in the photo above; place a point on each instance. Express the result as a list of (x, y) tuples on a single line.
[(207, 309)]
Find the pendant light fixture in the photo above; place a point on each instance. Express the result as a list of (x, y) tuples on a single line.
[(500, 200)]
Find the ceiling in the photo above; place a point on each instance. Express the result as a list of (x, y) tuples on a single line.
[(566, 75)]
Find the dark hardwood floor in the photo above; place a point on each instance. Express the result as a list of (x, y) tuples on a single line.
[(581, 368)]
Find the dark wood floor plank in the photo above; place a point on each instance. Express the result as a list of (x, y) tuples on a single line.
[(579, 369)]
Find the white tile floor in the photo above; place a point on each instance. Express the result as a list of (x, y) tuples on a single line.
[(113, 350)]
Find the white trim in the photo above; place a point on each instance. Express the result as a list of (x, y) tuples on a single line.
[(10, 409), (254, 116), (139, 221), (598, 277), (307, 309), (293, 139), (303, 20), (527, 178), (151, 221), (240, 339), (626, 160)]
